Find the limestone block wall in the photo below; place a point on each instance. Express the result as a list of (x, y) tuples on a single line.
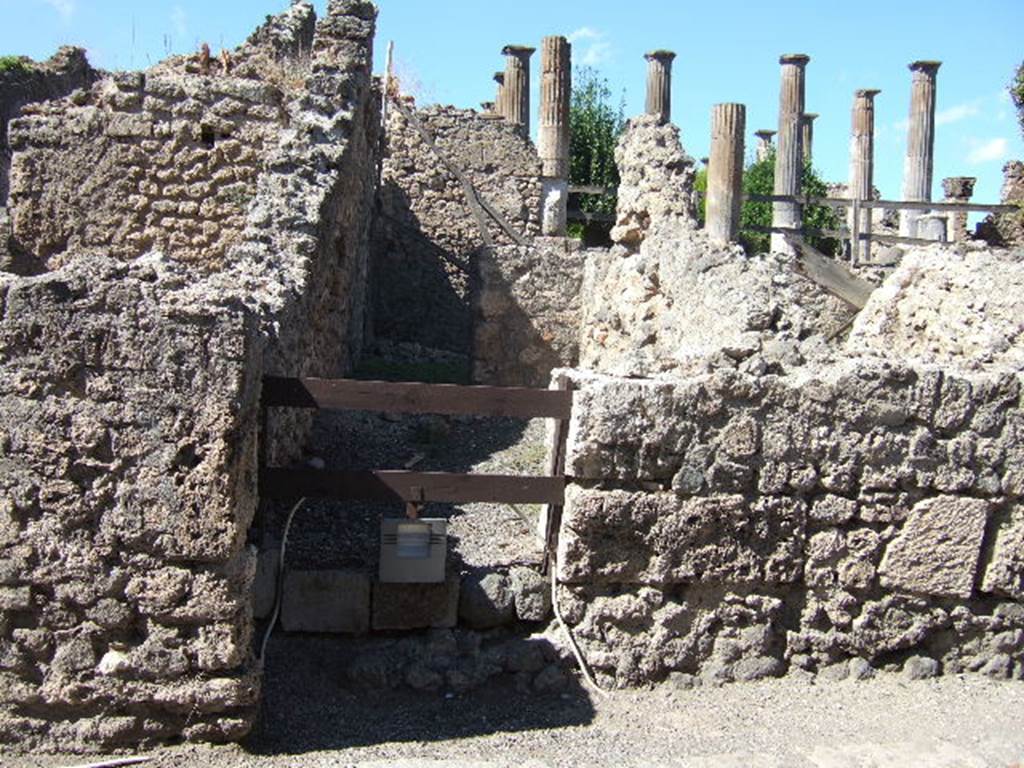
[(426, 241), (838, 519), (129, 393)]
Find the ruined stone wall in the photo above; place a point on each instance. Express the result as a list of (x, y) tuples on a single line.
[(426, 242), (731, 526), (64, 72), (129, 393)]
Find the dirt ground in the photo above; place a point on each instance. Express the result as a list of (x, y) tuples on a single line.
[(311, 719)]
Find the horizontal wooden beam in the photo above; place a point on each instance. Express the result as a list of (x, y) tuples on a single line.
[(401, 486), (603, 218), (414, 397), (893, 205), (591, 189)]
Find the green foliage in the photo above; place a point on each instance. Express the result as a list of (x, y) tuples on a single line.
[(595, 128), (700, 185), (759, 179), (1017, 94), (13, 64)]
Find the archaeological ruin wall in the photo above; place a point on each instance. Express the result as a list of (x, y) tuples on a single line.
[(130, 380)]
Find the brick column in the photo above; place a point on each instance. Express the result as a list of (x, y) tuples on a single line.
[(764, 144), (958, 189), (862, 160), (659, 84), (788, 157), (725, 172), (517, 84), (807, 135), (499, 96), (917, 169), (553, 136)]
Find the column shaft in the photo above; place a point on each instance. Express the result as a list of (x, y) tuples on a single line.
[(764, 144), (788, 156), (862, 161), (958, 189), (807, 136), (500, 107), (517, 84), (725, 172), (917, 169), (553, 136), (659, 84)]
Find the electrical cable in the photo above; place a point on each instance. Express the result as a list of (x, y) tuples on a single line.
[(278, 583), (580, 661)]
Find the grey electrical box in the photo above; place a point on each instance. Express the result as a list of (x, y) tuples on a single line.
[(413, 551)]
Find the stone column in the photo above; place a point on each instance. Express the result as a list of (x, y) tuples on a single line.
[(764, 144), (958, 189), (917, 169), (659, 84), (862, 161), (553, 135), (517, 84), (807, 135), (499, 96), (725, 172), (788, 157)]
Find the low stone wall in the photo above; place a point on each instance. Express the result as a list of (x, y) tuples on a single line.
[(129, 389), (426, 241), (846, 518)]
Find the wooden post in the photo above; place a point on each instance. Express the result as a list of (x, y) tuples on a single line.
[(551, 517)]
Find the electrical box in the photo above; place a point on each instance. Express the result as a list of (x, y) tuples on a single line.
[(413, 551)]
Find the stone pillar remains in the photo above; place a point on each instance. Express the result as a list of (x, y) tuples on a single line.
[(499, 96), (725, 172), (788, 157), (862, 161), (807, 135), (659, 84), (958, 189), (917, 169), (487, 107), (553, 136), (517, 84), (764, 144)]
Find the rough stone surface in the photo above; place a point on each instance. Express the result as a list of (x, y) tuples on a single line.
[(415, 606), (531, 593), (326, 601), (486, 600), (264, 586), (129, 390)]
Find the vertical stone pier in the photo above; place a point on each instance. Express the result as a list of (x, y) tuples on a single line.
[(917, 168), (517, 84), (958, 189), (659, 84), (725, 172), (807, 135), (553, 136), (788, 156), (500, 108), (862, 161), (764, 144)]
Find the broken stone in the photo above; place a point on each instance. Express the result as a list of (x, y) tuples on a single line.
[(531, 594), (920, 668), (486, 600)]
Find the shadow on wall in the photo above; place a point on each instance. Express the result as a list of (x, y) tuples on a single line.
[(421, 291)]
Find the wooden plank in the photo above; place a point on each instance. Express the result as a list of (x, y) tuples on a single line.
[(896, 205), (413, 397), (830, 275), (605, 218), (556, 467), (400, 486), (591, 189)]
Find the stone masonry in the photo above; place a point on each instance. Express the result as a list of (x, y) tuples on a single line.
[(129, 390)]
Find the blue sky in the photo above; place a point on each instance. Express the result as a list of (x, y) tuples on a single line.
[(727, 51)]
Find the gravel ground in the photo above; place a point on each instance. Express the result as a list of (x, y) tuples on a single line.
[(312, 720)]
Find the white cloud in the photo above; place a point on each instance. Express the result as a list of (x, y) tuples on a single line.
[(987, 151), (957, 113), (64, 8), (594, 47), (180, 21)]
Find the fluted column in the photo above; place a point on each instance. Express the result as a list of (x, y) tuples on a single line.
[(917, 169), (500, 107), (659, 84), (553, 135), (788, 156), (725, 172), (807, 135), (517, 84), (958, 189), (862, 161), (764, 144)]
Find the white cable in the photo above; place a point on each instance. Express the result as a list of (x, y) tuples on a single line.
[(278, 583), (580, 661)]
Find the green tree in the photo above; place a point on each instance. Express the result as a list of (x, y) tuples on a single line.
[(1017, 94), (759, 179), (595, 125)]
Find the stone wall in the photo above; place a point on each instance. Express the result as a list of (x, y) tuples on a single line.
[(129, 388), (64, 72), (427, 242)]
